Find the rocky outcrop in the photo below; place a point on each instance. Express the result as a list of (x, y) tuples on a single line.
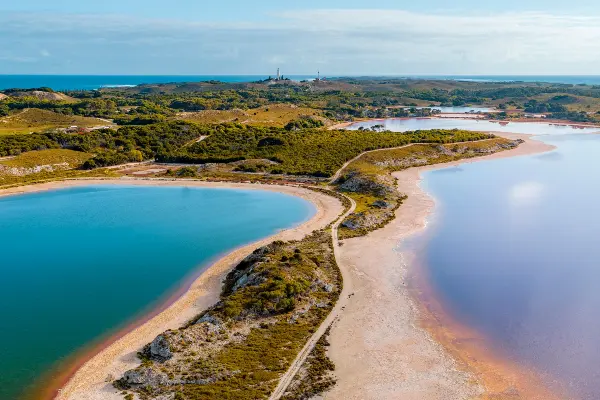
[(368, 221), (22, 171), (352, 223), (357, 183), (244, 275), (382, 204), (488, 150), (444, 150), (160, 349), (402, 163), (214, 324), (145, 377), (42, 95)]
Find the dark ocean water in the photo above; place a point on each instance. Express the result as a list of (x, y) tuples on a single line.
[(566, 79), (77, 264), (90, 82)]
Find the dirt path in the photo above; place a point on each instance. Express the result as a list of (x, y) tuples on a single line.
[(287, 378)]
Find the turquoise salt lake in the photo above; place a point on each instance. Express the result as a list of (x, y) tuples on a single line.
[(80, 263), (512, 251)]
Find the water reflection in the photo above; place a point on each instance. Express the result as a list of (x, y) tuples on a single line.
[(451, 170), (532, 128), (457, 110), (551, 156)]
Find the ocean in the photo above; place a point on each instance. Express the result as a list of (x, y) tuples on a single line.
[(564, 79), (79, 264), (91, 82)]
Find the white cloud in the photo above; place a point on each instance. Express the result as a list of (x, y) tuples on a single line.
[(337, 41), (526, 193)]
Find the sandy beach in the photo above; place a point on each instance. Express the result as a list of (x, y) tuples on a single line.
[(386, 345), (86, 378)]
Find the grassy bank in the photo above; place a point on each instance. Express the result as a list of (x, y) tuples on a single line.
[(35, 120)]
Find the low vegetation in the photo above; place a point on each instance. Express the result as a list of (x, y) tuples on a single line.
[(32, 159), (315, 376), (35, 120), (10, 180), (112, 147), (314, 152), (276, 115)]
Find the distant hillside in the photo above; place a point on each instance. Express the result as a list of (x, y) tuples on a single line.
[(273, 115), (36, 120), (39, 94)]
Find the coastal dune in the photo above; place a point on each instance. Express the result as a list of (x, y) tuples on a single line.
[(90, 376), (386, 345)]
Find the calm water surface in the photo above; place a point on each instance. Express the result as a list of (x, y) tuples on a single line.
[(413, 124), (514, 254), (458, 110), (79, 263), (91, 82)]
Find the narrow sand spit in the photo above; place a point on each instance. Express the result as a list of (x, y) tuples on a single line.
[(381, 345), (89, 382)]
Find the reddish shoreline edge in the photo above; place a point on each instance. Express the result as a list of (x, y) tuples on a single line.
[(471, 349), (50, 384)]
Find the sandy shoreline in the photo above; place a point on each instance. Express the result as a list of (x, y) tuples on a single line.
[(87, 376), (386, 345)]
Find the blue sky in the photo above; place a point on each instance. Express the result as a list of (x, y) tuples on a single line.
[(338, 37)]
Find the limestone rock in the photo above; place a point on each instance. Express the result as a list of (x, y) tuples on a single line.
[(352, 223), (160, 349), (243, 275), (356, 183), (214, 324), (381, 204), (145, 377)]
